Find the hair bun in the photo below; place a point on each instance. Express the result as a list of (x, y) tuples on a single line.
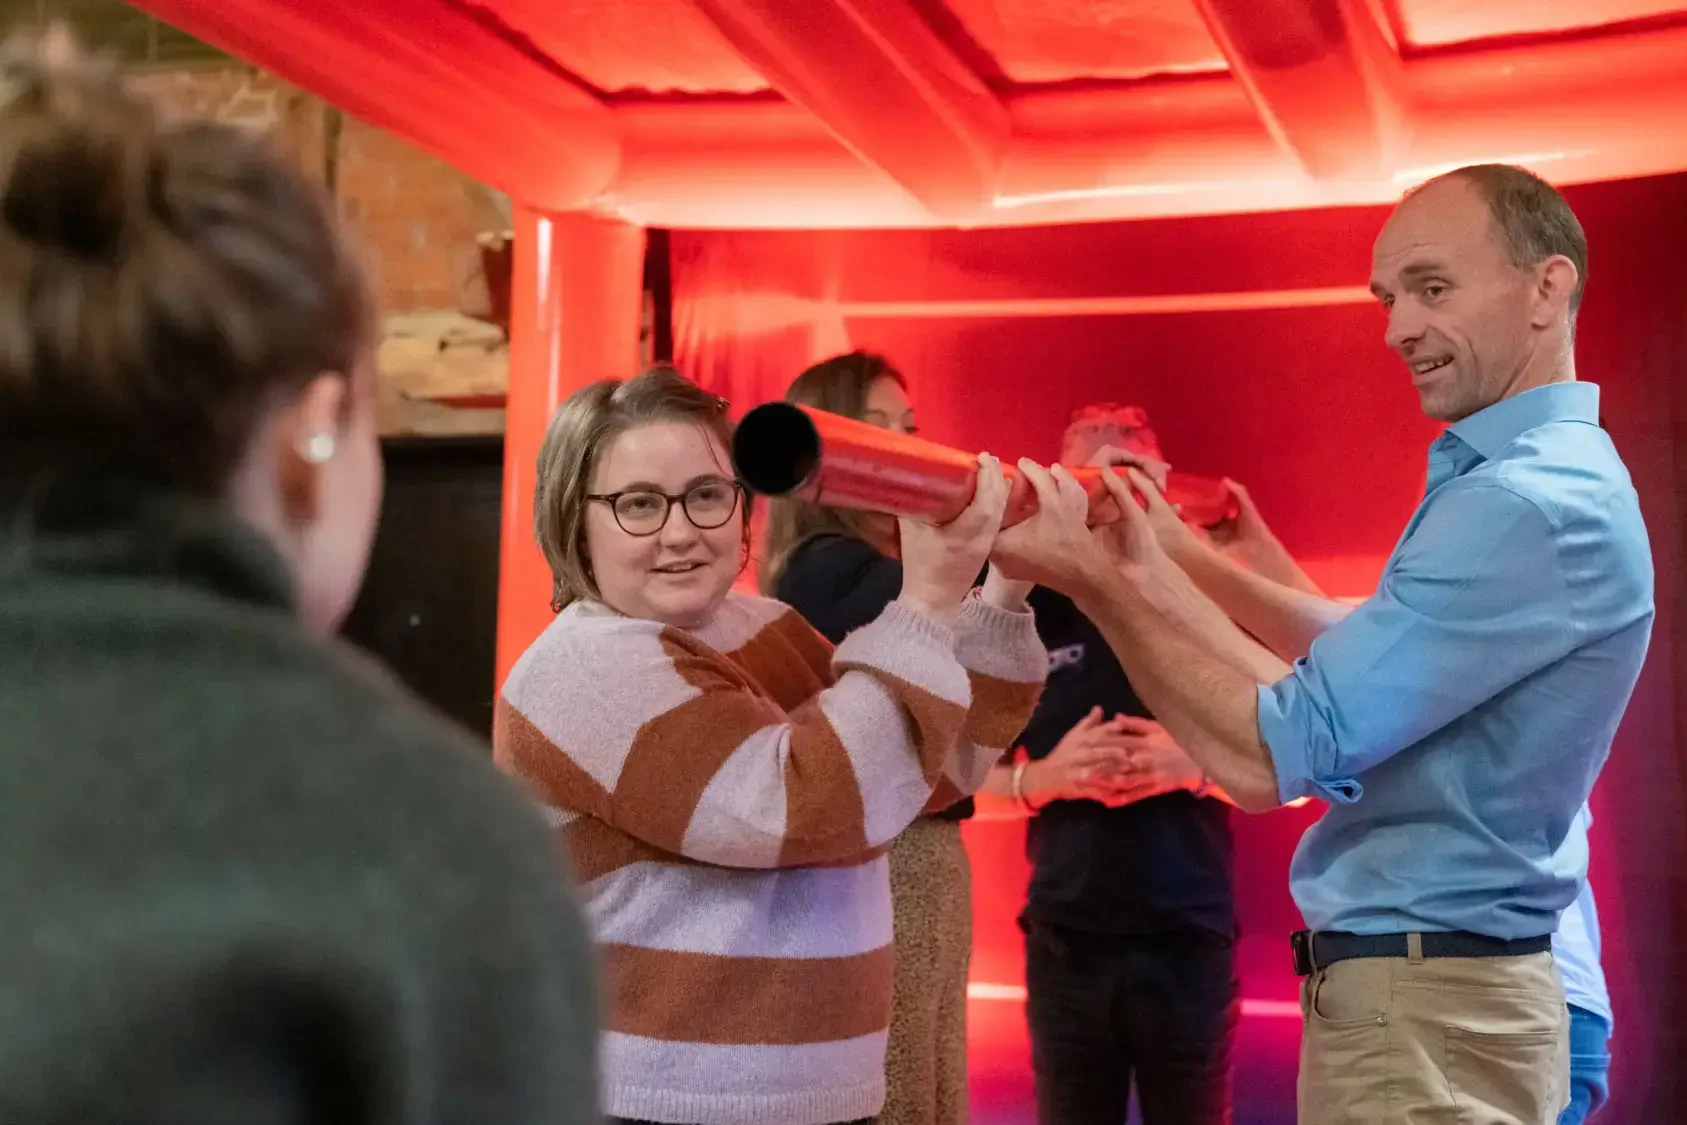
[(76, 151)]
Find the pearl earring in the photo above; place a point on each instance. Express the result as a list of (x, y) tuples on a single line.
[(319, 450)]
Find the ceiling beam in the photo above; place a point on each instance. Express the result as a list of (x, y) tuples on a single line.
[(877, 76), (437, 73), (1324, 76)]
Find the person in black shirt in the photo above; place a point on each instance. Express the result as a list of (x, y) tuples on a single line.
[(1130, 921), (839, 570)]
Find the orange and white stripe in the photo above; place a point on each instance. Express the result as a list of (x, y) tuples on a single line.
[(726, 797)]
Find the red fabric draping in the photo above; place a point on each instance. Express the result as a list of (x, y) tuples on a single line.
[(748, 316), (1305, 406), (569, 326)]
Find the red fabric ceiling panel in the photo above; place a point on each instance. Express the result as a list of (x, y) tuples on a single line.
[(879, 79), (1435, 23), (1037, 41), (925, 120), (631, 46)]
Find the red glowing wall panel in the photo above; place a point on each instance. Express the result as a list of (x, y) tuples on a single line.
[(1304, 405)]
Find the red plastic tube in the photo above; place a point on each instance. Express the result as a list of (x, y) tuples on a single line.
[(784, 450)]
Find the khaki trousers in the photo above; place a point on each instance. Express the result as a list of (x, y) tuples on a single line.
[(1443, 1041)]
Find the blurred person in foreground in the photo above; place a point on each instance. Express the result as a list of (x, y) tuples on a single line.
[(1457, 720), (247, 877)]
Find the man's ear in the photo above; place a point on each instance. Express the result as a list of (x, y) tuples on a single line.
[(1555, 286)]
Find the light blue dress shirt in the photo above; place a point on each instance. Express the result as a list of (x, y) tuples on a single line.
[(1456, 720), (1575, 947)]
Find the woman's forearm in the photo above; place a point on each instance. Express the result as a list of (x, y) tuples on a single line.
[(995, 800)]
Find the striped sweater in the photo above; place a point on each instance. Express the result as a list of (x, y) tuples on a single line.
[(727, 797)]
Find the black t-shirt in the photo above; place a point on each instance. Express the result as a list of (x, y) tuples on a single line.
[(1154, 866), (840, 583)]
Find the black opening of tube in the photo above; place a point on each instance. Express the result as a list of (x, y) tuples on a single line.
[(775, 449)]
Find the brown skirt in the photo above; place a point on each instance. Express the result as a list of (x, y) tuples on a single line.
[(926, 1059)]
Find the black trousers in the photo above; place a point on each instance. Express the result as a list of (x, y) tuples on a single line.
[(1160, 1010)]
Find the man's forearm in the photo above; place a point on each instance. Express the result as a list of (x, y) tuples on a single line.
[(1270, 558), (1285, 619), (1195, 670)]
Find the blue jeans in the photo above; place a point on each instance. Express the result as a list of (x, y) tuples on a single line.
[(1590, 1065)]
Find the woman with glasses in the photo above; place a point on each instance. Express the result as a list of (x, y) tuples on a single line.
[(727, 783)]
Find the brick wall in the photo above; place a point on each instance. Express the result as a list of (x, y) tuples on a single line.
[(419, 222), (418, 218)]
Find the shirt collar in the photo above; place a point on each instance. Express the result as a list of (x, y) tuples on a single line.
[(75, 526), (1490, 430)]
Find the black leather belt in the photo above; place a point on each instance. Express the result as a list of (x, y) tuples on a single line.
[(1314, 951)]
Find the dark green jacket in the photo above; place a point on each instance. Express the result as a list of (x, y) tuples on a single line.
[(244, 878)]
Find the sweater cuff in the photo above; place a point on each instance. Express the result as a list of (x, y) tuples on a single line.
[(999, 642), (900, 618), (911, 646)]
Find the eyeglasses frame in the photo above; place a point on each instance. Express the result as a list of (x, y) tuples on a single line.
[(669, 500)]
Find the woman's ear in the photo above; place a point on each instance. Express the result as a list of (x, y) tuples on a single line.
[(307, 438)]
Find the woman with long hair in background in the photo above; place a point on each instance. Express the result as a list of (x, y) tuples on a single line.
[(839, 569)]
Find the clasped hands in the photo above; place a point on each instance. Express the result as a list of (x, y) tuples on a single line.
[(1115, 761)]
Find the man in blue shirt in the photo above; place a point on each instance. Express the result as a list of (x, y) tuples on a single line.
[(1457, 720)]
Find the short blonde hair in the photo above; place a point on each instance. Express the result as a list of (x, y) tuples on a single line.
[(587, 422)]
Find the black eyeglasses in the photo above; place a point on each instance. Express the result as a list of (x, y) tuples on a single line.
[(641, 511)]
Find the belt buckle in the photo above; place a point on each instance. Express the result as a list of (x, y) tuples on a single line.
[(1300, 942)]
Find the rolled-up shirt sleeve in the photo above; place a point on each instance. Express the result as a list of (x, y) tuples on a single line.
[(1474, 600)]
